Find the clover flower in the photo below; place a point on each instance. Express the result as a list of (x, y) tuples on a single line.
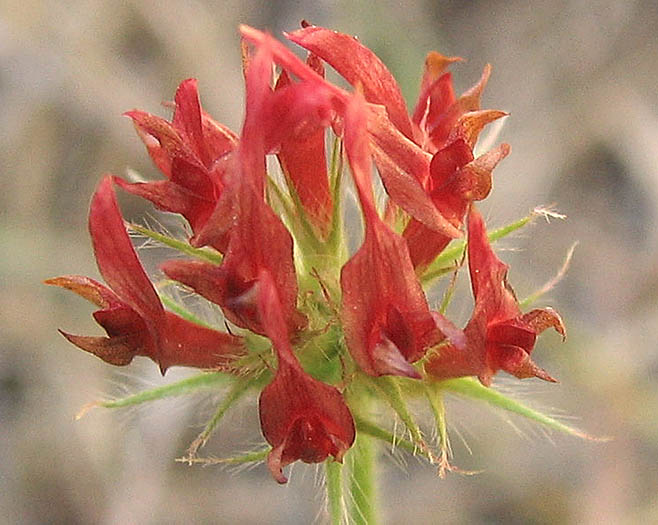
[(324, 337)]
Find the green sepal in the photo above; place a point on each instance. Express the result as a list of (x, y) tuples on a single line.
[(189, 385), (205, 254), (239, 388), (391, 390), (179, 309), (255, 456), (473, 389), (445, 261), (375, 431)]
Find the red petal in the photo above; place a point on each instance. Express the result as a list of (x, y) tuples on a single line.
[(404, 169), (170, 140), (155, 150), (238, 298), (474, 180), (488, 274), (357, 149), (424, 245), (258, 241), (284, 57), (118, 351), (454, 361), (512, 332), (497, 336), (303, 418), (399, 160), (358, 65), (434, 96), (386, 320), (444, 111), (187, 117), (304, 162), (302, 153), (447, 161), (367, 301), (171, 197), (188, 344), (128, 334), (116, 257), (219, 139), (516, 361), (252, 147)]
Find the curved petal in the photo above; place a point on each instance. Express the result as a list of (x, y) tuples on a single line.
[(187, 117), (116, 257), (358, 65), (118, 351), (405, 169)]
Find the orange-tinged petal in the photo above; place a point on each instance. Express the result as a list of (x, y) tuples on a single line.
[(404, 169), (359, 66), (543, 318), (469, 125)]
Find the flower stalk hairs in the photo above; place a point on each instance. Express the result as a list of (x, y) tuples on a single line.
[(334, 344)]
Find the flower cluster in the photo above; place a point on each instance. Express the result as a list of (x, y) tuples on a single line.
[(319, 332)]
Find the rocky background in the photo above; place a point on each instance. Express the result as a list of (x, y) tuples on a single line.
[(579, 79)]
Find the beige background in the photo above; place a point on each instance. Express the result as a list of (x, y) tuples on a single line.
[(579, 79)]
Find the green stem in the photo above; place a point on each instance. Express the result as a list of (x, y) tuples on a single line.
[(361, 461), (390, 388), (362, 481), (335, 491)]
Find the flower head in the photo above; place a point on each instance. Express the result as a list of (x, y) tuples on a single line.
[(325, 338)]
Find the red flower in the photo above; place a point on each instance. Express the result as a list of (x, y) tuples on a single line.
[(257, 239), (301, 417), (426, 161), (193, 151), (387, 322), (498, 336), (456, 179), (448, 127), (402, 164), (131, 311)]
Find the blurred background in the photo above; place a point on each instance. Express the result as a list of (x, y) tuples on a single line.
[(579, 79)]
